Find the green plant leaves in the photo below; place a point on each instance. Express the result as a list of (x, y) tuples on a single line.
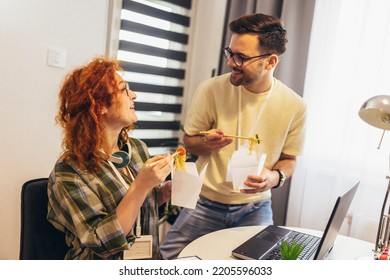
[(290, 251)]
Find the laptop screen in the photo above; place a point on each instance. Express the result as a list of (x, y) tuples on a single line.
[(335, 221)]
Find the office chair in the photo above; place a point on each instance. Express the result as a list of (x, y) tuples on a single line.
[(39, 239)]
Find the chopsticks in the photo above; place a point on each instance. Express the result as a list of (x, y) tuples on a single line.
[(250, 138), (157, 161)]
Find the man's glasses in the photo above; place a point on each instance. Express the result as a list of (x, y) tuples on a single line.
[(238, 59)]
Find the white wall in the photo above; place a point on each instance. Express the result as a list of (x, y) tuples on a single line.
[(30, 141)]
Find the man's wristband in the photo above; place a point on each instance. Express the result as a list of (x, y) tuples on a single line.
[(282, 178)]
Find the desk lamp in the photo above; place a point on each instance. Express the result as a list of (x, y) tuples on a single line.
[(376, 112)]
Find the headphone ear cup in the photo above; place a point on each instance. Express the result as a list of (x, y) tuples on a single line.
[(120, 159)]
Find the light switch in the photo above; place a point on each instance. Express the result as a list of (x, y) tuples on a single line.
[(56, 57)]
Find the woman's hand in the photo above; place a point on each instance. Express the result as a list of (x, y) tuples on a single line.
[(154, 171), (164, 193)]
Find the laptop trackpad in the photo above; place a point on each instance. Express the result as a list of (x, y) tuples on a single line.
[(259, 244), (266, 236)]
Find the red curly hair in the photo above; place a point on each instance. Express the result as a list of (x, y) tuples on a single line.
[(84, 93)]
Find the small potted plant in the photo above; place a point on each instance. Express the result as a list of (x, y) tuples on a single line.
[(290, 250)]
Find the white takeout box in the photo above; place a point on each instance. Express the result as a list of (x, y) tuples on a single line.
[(186, 186), (241, 165)]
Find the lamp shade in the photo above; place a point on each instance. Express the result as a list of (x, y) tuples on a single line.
[(376, 111)]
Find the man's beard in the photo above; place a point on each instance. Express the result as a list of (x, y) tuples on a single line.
[(242, 80), (234, 80)]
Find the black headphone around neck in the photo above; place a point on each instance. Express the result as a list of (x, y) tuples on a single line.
[(121, 158)]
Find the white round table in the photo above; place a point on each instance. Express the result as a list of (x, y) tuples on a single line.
[(218, 245)]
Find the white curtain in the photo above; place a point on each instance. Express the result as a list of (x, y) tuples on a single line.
[(349, 62)]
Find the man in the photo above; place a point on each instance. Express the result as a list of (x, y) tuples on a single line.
[(245, 102)]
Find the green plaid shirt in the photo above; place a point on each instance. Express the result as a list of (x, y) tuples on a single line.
[(83, 204)]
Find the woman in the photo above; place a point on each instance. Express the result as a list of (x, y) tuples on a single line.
[(100, 184)]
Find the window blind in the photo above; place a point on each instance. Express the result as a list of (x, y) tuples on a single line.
[(152, 49)]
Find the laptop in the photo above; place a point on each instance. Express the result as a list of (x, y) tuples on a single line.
[(266, 243)]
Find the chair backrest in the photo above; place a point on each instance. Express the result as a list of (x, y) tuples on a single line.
[(39, 239)]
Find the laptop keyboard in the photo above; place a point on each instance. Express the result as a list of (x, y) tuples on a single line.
[(309, 242)]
